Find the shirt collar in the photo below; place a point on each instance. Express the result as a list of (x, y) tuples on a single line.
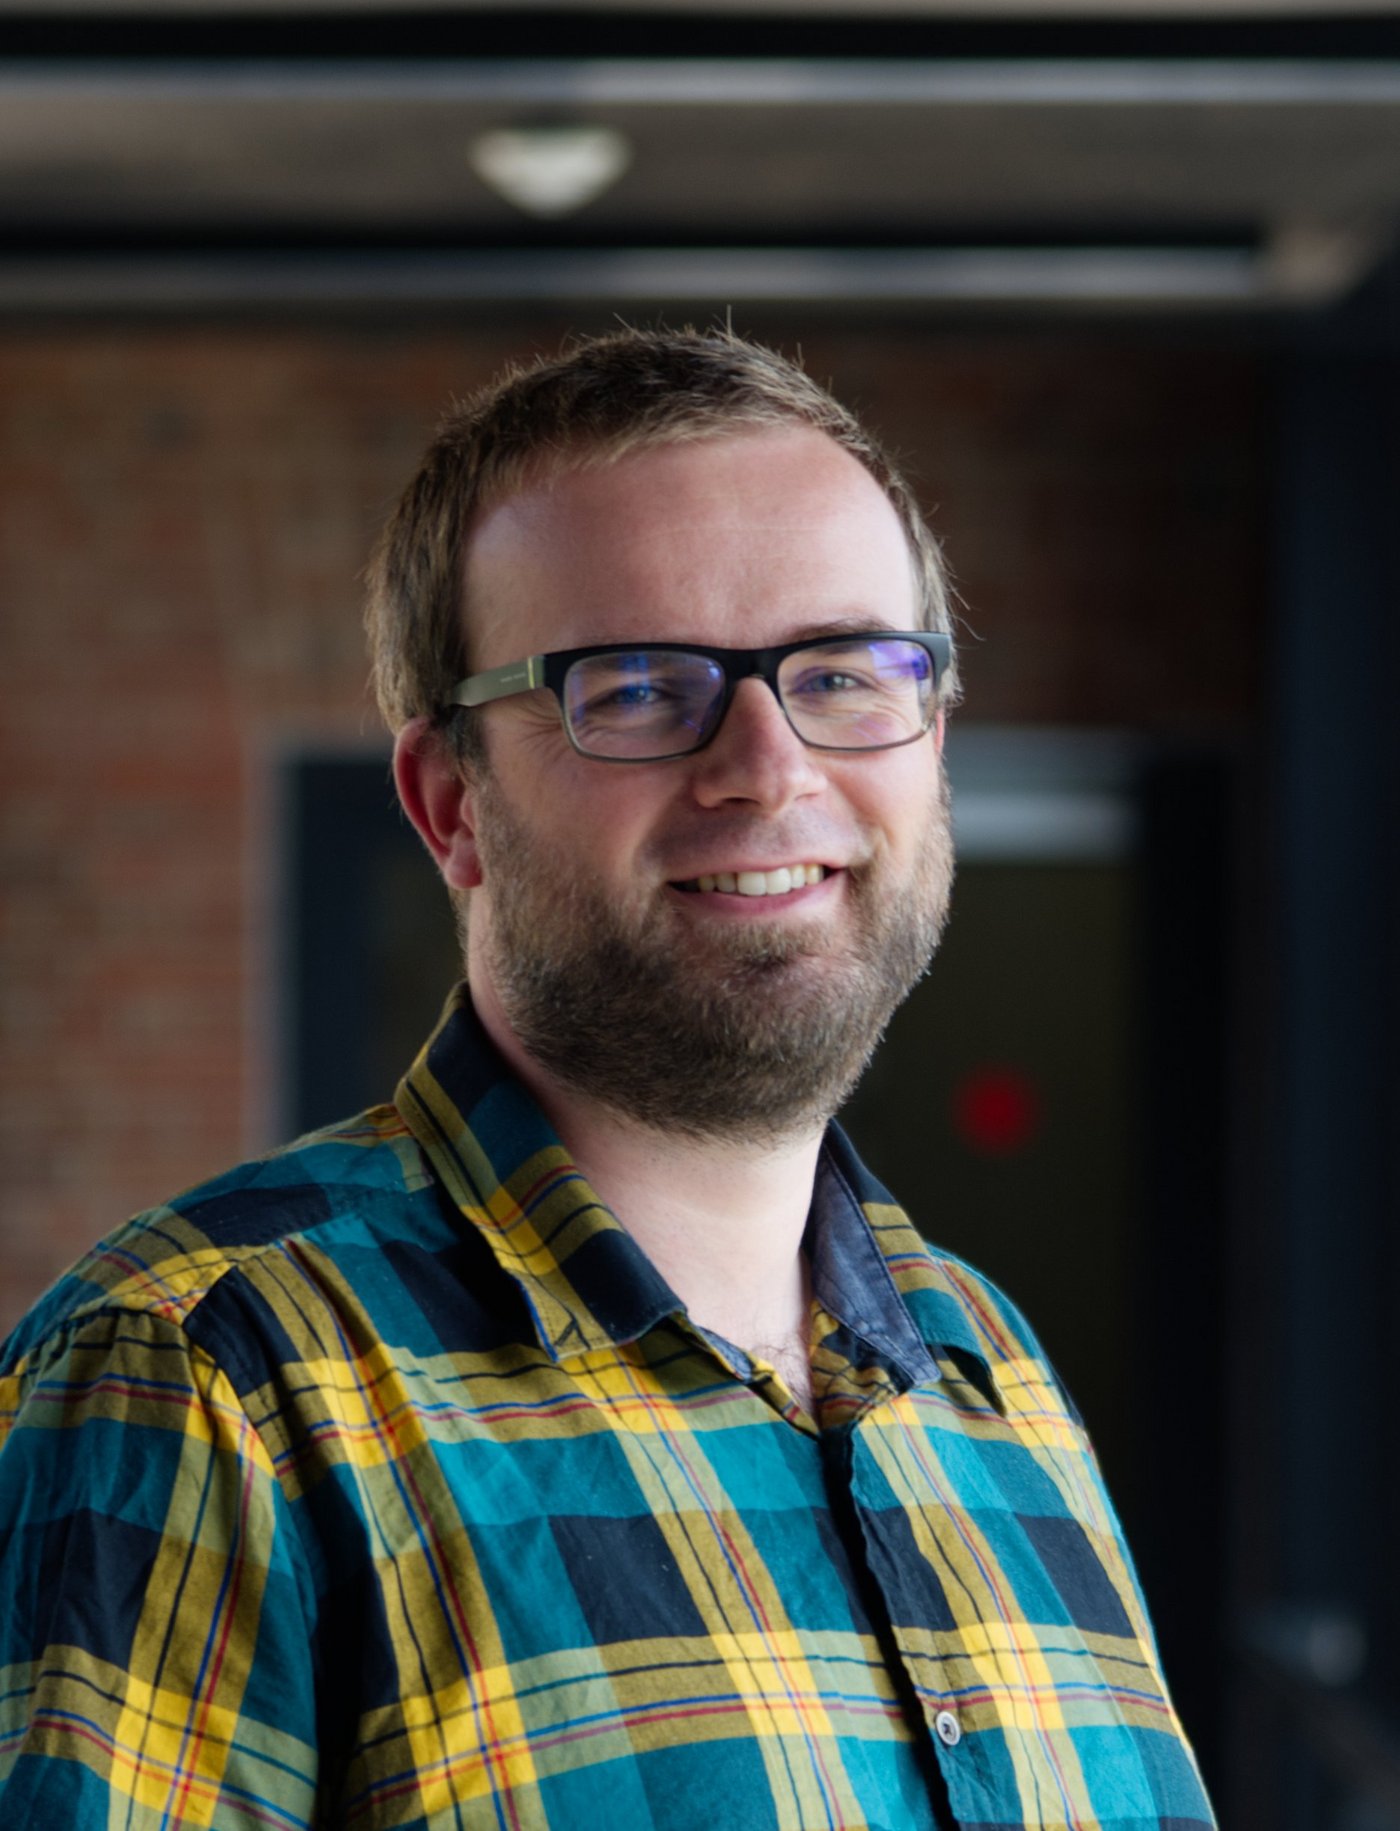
[(868, 1262), (586, 1281), (588, 1284)]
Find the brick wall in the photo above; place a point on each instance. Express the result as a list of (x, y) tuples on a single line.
[(183, 516)]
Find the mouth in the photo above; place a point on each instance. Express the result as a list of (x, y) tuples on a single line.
[(777, 882)]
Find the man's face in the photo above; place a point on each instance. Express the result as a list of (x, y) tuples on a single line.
[(703, 1010)]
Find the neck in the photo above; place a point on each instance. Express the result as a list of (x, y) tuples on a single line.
[(721, 1219)]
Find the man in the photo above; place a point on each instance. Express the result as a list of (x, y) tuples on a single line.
[(585, 1438)]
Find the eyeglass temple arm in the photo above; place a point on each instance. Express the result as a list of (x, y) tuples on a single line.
[(500, 683)]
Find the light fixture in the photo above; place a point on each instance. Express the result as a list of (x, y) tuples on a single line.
[(553, 168), (1316, 263)]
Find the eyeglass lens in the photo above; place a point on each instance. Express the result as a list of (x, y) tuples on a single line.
[(851, 694)]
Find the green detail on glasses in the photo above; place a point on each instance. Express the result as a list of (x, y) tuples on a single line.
[(646, 702)]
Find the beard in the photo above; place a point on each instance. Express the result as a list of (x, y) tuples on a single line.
[(743, 1032)]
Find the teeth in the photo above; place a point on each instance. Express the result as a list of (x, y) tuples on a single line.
[(763, 883)]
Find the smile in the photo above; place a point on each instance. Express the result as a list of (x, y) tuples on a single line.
[(758, 883)]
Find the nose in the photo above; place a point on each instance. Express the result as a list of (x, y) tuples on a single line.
[(756, 756)]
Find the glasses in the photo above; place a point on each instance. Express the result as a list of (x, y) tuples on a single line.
[(647, 702)]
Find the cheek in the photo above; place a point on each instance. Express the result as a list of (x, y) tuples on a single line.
[(605, 825), (902, 798)]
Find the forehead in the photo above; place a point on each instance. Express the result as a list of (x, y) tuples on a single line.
[(740, 540)]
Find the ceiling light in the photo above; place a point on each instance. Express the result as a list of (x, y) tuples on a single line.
[(552, 169), (1316, 263)]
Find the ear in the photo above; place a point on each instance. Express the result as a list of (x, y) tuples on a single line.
[(439, 800)]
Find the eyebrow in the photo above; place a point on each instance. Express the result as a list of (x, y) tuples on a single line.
[(856, 624)]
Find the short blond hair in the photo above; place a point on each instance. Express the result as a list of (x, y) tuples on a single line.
[(602, 398)]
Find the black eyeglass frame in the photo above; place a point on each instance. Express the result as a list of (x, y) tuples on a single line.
[(551, 670)]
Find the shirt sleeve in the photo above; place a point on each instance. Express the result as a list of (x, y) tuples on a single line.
[(155, 1668)]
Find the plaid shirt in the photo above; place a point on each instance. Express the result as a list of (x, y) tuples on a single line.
[(383, 1482)]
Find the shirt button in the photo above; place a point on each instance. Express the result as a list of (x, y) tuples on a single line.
[(947, 1728)]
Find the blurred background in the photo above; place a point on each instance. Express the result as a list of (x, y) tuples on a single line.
[(1120, 283)]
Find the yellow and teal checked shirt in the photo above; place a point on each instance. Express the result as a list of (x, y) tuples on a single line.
[(383, 1482)]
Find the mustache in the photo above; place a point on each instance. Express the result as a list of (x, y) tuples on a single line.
[(718, 845)]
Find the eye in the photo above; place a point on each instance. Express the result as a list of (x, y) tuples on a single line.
[(625, 693), (620, 704), (817, 682), (626, 697), (630, 693)]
